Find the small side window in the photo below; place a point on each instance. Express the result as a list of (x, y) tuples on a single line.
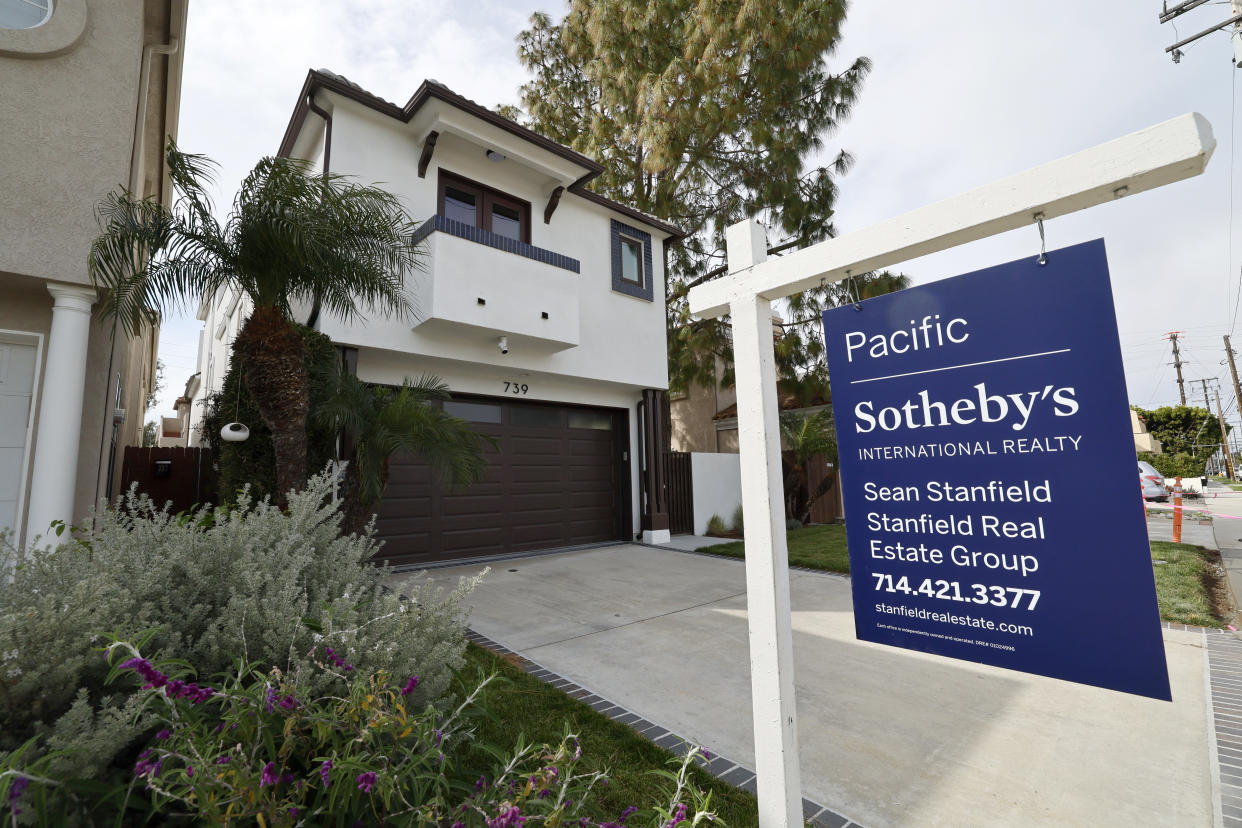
[(631, 261)]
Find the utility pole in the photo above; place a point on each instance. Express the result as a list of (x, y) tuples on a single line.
[(1177, 9), (1206, 402), (1224, 439), (1233, 369), (1177, 363)]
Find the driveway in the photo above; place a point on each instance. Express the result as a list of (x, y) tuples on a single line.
[(887, 736)]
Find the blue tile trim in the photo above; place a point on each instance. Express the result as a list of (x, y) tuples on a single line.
[(476, 234), (643, 291)]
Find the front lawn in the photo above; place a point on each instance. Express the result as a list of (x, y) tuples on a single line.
[(524, 704), (815, 547), (1183, 581)]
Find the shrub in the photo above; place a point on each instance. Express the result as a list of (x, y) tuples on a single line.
[(716, 526), (738, 526), (259, 748), (792, 523), (1180, 464), (252, 582)]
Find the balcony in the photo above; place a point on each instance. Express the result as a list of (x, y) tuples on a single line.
[(478, 282)]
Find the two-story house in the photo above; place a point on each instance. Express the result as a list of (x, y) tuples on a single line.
[(541, 305), (89, 91)]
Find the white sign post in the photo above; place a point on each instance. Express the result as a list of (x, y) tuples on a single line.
[(1143, 160)]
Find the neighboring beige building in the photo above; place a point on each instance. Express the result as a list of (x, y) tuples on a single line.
[(90, 91), (1143, 441)]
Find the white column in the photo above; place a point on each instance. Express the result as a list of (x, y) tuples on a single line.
[(767, 556), (60, 410)]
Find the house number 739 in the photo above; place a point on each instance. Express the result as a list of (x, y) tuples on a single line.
[(516, 388)]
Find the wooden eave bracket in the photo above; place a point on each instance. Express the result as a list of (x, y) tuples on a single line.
[(553, 201), (429, 146)]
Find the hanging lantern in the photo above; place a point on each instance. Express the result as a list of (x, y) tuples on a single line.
[(234, 433)]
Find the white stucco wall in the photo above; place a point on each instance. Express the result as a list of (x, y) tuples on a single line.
[(622, 338), (717, 480)]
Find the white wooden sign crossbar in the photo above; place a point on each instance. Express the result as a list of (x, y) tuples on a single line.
[(1149, 158)]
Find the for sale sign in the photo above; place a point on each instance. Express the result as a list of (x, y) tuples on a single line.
[(989, 478)]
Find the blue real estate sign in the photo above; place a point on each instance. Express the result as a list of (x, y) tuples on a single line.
[(991, 496)]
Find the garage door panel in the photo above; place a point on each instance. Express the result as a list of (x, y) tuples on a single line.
[(545, 500), (546, 485), (539, 448), (539, 474), (475, 538), (475, 505), (590, 450)]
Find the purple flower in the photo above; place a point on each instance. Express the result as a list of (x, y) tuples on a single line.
[(189, 771), (293, 812), (679, 816), (15, 791), (458, 824), (628, 812), (289, 703), (270, 776), (366, 781), (323, 772), (163, 734), (439, 737), (271, 698), (480, 783), (409, 686), (511, 818), (223, 760), (545, 793)]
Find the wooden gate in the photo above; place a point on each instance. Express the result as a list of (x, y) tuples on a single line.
[(183, 476), (679, 487)]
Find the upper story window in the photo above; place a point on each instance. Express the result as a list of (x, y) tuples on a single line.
[(474, 204), (631, 261), (24, 14)]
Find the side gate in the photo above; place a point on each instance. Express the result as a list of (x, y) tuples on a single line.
[(679, 487), (181, 475)]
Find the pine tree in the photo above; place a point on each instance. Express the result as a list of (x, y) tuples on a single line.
[(703, 113)]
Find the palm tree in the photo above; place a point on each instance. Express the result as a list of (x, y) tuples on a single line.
[(293, 237), (376, 422), (805, 436)]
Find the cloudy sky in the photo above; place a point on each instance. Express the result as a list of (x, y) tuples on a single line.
[(960, 94)]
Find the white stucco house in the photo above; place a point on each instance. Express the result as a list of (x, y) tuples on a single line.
[(89, 91), (541, 306)]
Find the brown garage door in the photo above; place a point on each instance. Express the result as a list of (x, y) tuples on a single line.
[(554, 479)]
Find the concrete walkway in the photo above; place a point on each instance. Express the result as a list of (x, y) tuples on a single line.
[(888, 737)]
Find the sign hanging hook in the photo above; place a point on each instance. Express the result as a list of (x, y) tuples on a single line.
[(1043, 254), (851, 291)]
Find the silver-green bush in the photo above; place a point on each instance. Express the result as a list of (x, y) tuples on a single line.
[(251, 582)]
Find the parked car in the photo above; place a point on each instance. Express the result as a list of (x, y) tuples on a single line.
[(1152, 482)]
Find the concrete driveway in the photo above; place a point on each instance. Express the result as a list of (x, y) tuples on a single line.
[(887, 737)]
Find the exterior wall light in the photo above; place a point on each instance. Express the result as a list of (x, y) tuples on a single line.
[(234, 433), (492, 155)]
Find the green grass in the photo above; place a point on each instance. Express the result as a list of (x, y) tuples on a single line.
[(523, 704), (816, 547), (1180, 589)]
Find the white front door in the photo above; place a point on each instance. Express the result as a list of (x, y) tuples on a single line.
[(17, 369)]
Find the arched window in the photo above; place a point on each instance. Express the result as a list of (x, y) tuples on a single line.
[(24, 14)]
